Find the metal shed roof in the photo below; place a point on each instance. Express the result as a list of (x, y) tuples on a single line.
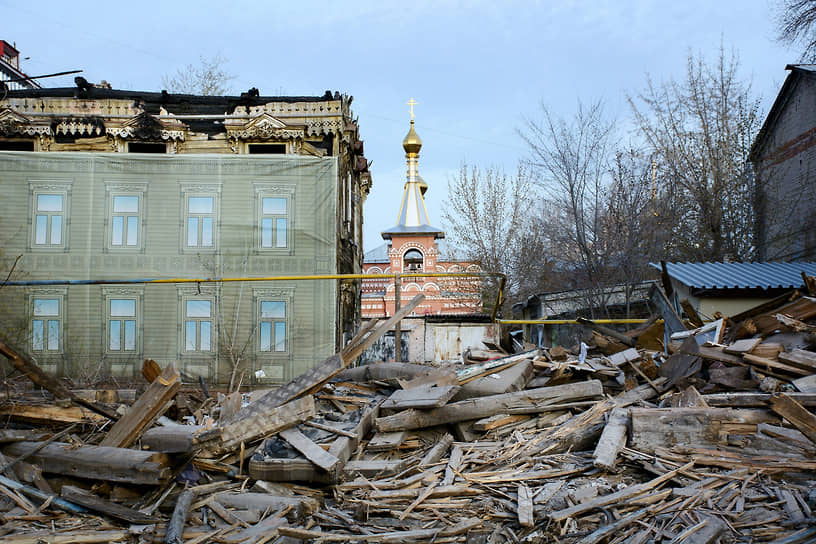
[(763, 275)]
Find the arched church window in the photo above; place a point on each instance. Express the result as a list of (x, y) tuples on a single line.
[(412, 261)]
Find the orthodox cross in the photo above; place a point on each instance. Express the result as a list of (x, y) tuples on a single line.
[(412, 103)]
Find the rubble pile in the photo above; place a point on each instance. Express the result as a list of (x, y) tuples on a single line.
[(713, 440)]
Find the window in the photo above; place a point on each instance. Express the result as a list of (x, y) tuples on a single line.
[(126, 212), (125, 221), (122, 325), (272, 326), (267, 149), (273, 222), (275, 207), (49, 219), (50, 203), (146, 147), (197, 325), (46, 325), (200, 222), (25, 145), (199, 211)]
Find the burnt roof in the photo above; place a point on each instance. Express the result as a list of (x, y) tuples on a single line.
[(179, 104)]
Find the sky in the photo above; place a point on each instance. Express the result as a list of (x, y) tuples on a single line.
[(477, 69)]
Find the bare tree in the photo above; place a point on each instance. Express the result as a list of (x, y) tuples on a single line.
[(796, 24), (484, 213), (571, 160), (209, 78), (700, 130)]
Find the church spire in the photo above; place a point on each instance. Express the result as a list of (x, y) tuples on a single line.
[(413, 217)]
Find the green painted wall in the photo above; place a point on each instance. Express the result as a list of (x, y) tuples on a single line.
[(89, 181)]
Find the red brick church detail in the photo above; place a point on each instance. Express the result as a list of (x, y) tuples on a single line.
[(412, 247)]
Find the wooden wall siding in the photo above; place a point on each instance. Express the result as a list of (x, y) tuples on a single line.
[(786, 170), (313, 312)]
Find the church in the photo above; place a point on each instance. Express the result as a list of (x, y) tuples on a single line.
[(413, 246)]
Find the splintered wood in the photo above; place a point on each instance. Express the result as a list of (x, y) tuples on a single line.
[(710, 443)]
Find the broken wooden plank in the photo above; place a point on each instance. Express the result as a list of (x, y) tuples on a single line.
[(472, 372), (497, 381), (763, 364), (796, 414), (749, 400), (616, 497), (522, 402), (395, 537), (525, 506), (374, 468), (309, 449), (742, 346), (152, 404), (386, 441), (229, 437), (800, 358), (499, 420), (426, 396), (44, 380), (49, 414), (612, 439), (437, 451), (806, 384), (97, 462), (98, 504), (666, 427), (625, 356)]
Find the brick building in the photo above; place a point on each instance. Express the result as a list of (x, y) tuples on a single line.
[(413, 246)]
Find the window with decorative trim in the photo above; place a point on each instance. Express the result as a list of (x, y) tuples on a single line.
[(125, 218), (274, 207), (123, 321), (273, 310), (47, 316), (198, 325), (49, 215), (200, 217)]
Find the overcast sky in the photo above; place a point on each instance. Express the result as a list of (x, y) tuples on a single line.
[(475, 68)]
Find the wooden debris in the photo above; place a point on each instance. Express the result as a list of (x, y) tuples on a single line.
[(796, 414), (426, 396), (152, 404)]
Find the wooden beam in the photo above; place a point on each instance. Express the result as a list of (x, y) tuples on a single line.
[(229, 437), (520, 402), (796, 414), (96, 462), (152, 404), (309, 449), (612, 440), (44, 380)]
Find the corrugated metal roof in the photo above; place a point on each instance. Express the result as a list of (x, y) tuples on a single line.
[(764, 275)]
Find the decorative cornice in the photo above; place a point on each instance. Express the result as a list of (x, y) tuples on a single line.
[(262, 127), (146, 127), (13, 123)]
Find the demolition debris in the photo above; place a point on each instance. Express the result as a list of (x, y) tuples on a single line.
[(711, 440)]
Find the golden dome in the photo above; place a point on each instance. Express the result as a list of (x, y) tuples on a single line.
[(412, 143)]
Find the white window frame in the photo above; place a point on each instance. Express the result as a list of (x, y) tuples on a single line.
[(113, 190), (47, 294), (137, 295), (197, 321), (286, 296), (272, 190), (39, 188), (193, 190)]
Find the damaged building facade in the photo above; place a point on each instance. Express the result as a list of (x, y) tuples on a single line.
[(103, 184)]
